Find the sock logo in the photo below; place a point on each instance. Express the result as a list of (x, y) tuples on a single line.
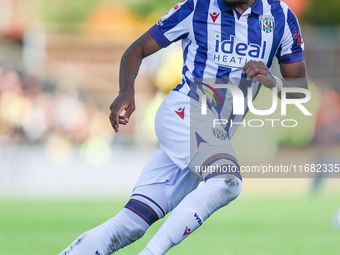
[(198, 219), (97, 252), (187, 231)]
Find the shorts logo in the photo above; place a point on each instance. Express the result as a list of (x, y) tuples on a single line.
[(180, 112), (267, 23), (220, 134)]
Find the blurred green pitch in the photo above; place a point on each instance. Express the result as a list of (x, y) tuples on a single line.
[(251, 225)]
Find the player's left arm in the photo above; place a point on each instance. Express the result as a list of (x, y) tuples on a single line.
[(294, 75)]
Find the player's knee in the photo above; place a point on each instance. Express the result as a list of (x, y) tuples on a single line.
[(122, 233), (228, 188), (123, 237), (233, 187), (134, 234)]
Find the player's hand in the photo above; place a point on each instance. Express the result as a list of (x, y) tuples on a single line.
[(124, 101), (259, 72)]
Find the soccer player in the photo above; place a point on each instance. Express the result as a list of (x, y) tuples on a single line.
[(224, 42)]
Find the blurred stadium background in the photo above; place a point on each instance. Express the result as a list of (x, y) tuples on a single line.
[(63, 170)]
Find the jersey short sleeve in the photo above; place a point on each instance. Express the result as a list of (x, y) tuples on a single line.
[(292, 44), (174, 25)]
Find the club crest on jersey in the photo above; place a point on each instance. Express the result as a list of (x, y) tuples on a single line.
[(220, 134), (267, 23)]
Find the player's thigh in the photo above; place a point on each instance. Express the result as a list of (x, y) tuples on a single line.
[(172, 125), (210, 147), (162, 184)]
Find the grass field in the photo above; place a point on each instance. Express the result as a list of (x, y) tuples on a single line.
[(251, 225)]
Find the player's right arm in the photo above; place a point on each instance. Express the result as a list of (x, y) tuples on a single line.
[(173, 26), (129, 67)]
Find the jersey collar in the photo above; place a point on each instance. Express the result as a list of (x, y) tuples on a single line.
[(256, 8)]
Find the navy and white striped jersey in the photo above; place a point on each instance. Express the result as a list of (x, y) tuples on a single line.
[(218, 41)]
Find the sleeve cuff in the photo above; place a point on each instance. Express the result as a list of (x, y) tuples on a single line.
[(159, 37), (292, 58)]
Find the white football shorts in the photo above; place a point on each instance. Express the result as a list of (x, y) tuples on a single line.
[(166, 178), (184, 143), (186, 135)]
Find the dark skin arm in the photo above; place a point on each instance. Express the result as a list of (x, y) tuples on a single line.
[(294, 75), (129, 67)]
